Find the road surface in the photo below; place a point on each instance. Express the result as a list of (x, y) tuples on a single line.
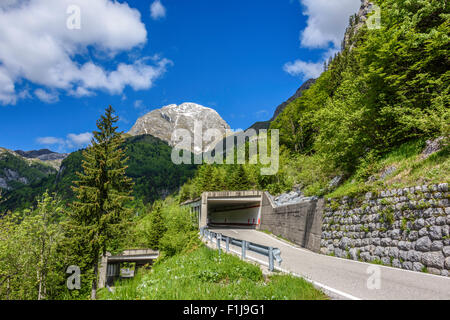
[(343, 278)]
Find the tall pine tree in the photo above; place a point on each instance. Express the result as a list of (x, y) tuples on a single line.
[(238, 179), (99, 216)]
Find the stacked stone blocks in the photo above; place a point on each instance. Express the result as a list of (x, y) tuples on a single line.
[(407, 228)]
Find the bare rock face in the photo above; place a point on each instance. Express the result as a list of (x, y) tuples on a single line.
[(357, 22), (433, 146), (12, 169), (49, 157), (161, 123)]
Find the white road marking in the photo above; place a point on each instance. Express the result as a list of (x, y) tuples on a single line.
[(325, 259), (348, 260), (318, 284)]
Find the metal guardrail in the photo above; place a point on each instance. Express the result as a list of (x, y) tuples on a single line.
[(270, 252)]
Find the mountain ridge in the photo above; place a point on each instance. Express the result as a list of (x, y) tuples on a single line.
[(279, 109), (42, 154)]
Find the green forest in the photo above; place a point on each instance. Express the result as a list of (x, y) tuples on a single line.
[(374, 107)]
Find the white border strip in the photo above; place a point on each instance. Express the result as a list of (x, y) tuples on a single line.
[(315, 283), (354, 261)]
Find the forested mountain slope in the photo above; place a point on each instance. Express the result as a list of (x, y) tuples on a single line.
[(149, 165), (17, 171)]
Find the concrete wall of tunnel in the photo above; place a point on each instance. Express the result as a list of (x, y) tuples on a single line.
[(300, 223)]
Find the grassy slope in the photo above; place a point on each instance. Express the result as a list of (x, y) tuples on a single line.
[(204, 275), (411, 169)]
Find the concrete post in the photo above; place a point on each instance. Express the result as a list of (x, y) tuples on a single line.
[(204, 210), (102, 272)]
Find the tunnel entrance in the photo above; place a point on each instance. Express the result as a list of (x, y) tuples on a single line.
[(124, 265), (234, 209), (232, 213)]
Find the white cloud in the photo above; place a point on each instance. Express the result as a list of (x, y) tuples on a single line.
[(72, 141), (50, 140), (8, 3), (80, 139), (307, 69), (37, 46), (325, 29), (46, 96), (327, 21), (139, 104), (7, 88), (157, 10)]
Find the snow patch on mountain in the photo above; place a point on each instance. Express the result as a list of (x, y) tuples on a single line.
[(161, 123)]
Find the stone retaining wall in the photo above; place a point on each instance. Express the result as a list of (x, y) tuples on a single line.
[(406, 228)]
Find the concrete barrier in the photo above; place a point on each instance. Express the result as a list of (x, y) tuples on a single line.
[(300, 223)]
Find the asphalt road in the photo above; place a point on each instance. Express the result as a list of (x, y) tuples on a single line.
[(347, 279)]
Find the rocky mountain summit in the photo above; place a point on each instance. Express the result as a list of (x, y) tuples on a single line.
[(17, 170), (161, 123), (42, 154), (47, 156)]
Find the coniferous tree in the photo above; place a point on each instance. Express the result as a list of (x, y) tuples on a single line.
[(99, 215), (217, 179), (158, 227), (205, 175), (239, 180)]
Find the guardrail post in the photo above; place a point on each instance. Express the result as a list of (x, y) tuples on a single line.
[(270, 259), (228, 244), (218, 238), (276, 255), (244, 248)]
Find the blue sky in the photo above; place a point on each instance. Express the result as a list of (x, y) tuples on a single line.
[(240, 57)]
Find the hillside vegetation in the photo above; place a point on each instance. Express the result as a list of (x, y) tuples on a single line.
[(150, 167), (204, 275), (373, 107), (18, 171), (37, 244)]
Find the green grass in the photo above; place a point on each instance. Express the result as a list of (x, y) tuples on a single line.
[(204, 275), (314, 173), (411, 170)]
